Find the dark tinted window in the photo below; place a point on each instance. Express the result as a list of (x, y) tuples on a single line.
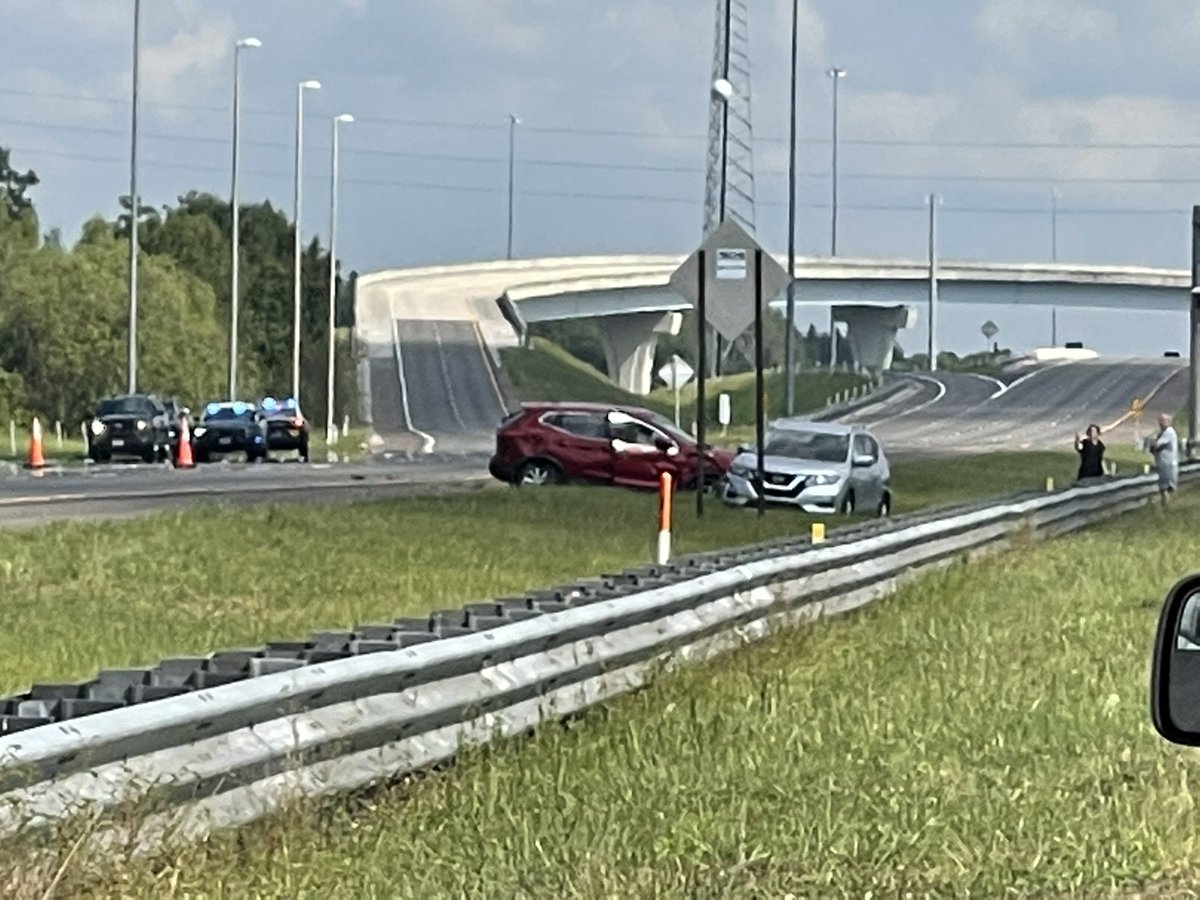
[(226, 414), (814, 445), (587, 425), (864, 446), (127, 406)]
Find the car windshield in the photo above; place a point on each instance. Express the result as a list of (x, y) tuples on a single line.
[(126, 406), (672, 430), (814, 445), (228, 414)]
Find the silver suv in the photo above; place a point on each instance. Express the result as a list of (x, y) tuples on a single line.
[(820, 467)]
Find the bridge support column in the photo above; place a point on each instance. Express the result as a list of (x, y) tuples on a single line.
[(629, 344), (871, 332)]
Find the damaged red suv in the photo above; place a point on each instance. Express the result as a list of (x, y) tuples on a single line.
[(549, 443)]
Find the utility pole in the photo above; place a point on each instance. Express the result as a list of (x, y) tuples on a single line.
[(789, 337), (297, 239), (133, 210), (934, 200), (837, 75), (513, 122), (234, 202)]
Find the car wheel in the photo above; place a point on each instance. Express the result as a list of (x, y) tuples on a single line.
[(151, 455), (885, 507), (538, 472), (847, 507)]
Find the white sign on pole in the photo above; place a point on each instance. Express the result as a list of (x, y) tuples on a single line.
[(724, 410), (676, 374), (731, 265)]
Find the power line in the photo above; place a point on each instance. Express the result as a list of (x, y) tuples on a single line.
[(641, 198), (568, 130)]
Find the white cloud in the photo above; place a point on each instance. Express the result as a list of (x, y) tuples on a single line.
[(1013, 23)]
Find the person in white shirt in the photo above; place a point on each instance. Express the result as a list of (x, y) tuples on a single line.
[(1165, 447)]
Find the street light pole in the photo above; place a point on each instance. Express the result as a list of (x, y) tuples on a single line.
[(133, 209), (333, 207), (297, 240), (233, 201), (513, 122), (789, 337), (934, 200), (837, 75), (1054, 258)]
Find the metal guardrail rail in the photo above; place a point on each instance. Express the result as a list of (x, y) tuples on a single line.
[(225, 739)]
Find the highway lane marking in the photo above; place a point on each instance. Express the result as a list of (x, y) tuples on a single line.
[(441, 353), (488, 364), (941, 392), (427, 446), (1001, 387)]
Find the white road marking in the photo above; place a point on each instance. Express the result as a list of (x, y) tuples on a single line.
[(941, 392), (1001, 387), (408, 423), (446, 377)]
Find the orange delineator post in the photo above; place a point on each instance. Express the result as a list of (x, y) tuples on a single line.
[(665, 496), (36, 459), (183, 453)]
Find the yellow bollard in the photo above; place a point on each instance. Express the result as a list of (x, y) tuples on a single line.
[(1049, 484), (1145, 468), (817, 535)]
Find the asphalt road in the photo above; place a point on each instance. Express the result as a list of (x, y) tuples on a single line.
[(438, 393), (1040, 409)]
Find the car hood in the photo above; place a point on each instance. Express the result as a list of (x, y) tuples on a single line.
[(790, 465), (226, 426), (126, 417)]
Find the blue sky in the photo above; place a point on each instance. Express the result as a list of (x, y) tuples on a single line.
[(613, 102)]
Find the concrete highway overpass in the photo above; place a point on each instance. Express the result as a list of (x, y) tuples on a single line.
[(431, 334)]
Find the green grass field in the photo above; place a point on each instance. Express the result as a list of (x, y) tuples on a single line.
[(988, 724)]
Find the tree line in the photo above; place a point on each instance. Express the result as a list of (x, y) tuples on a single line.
[(64, 310)]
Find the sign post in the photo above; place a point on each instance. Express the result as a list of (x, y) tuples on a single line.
[(989, 330), (730, 298), (676, 374)]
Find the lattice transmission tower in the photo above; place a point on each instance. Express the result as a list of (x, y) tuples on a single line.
[(730, 162)]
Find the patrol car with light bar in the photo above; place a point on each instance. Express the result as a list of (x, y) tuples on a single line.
[(228, 428), (287, 429)]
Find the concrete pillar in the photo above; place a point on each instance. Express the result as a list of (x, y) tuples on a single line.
[(629, 344), (871, 332)]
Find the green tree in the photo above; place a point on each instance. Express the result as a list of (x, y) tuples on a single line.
[(18, 219)]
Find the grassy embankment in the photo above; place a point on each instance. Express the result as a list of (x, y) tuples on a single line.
[(984, 732), (545, 371)]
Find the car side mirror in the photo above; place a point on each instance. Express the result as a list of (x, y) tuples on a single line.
[(1175, 668), (862, 460), (664, 445), (745, 448)]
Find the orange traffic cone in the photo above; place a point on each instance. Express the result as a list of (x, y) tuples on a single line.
[(183, 453), (36, 460)]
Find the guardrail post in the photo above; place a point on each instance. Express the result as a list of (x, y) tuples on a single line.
[(12, 436), (664, 518), (58, 433), (1049, 483)]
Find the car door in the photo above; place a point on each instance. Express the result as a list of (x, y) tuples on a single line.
[(638, 460), (578, 441), (868, 491)]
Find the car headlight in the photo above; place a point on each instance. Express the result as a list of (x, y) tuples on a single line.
[(97, 427), (741, 471), (142, 425), (200, 429), (824, 479)]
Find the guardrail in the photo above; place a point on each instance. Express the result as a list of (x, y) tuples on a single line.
[(224, 740)]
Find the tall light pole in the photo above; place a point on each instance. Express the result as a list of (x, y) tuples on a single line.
[(333, 206), (1054, 195), (934, 201), (297, 240), (513, 122), (789, 337), (233, 200), (133, 209), (837, 75)]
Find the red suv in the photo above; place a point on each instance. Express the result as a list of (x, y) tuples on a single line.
[(547, 443)]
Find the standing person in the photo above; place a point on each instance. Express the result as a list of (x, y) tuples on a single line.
[(1091, 453), (1165, 447)]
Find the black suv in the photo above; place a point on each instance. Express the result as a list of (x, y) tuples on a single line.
[(136, 425), (287, 429), (226, 428)]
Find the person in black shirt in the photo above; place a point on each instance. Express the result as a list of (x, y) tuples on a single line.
[(1091, 453)]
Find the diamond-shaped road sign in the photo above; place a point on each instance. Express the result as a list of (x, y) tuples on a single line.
[(676, 373), (729, 279)]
